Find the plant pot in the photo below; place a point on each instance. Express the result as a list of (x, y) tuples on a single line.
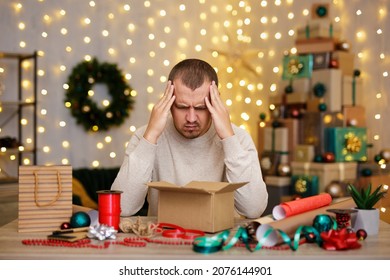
[(367, 219)]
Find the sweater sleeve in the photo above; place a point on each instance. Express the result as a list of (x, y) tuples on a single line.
[(242, 165), (134, 174)]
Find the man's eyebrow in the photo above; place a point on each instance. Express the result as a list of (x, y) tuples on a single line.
[(181, 104), (202, 105)]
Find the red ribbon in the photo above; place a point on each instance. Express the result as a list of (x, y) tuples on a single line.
[(179, 232), (339, 240)]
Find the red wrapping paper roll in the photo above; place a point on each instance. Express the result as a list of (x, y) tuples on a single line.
[(291, 208), (289, 225)]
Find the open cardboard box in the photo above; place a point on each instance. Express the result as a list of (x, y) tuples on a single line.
[(200, 205)]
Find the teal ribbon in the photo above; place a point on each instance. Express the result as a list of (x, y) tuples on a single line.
[(354, 90), (307, 31), (220, 241), (331, 30), (273, 140)]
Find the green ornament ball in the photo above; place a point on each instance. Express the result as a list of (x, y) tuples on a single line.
[(288, 89), (321, 11), (356, 72), (262, 116), (377, 158), (276, 124), (80, 219), (322, 107)]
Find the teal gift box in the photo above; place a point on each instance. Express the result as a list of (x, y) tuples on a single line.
[(347, 143), (297, 66), (304, 185)]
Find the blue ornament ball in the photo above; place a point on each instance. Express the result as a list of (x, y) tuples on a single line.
[(80, 219), (366, 172)]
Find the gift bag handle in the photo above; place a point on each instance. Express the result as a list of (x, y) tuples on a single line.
[(59, 191)]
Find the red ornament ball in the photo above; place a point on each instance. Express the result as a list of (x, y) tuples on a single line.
[(334, 63), (328, 157), (66, 226), (310, 237), (295, 113), (361, 234)]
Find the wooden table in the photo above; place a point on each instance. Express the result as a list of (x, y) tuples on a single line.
[(11, 248)]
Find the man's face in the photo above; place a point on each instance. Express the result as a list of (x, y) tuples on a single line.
[(190, 114)]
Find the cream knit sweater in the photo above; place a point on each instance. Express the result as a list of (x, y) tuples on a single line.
[(179, 160)]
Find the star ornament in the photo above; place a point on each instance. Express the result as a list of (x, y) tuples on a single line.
[(239, 56)]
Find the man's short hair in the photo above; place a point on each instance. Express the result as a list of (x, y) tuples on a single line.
[(193, 73)]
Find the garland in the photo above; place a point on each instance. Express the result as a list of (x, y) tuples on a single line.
[(85, 110)]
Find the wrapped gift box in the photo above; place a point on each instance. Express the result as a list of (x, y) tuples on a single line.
[(315, 45), (291, 98), (312, 105), (304, 153), (286, 137), (269, 162), (354, 116), (300, 94), (345, 61), (347, 143), (277, 188), (276, 139), (318, 28), (304, 185), (373, 168), (313, 125), (321, 60), (326, 172), (352, 94), (331, 79), (297, 67)]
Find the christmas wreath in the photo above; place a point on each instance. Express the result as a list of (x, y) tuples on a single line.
[(86, 111)]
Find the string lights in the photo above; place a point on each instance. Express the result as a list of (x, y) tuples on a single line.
[(244, 40)]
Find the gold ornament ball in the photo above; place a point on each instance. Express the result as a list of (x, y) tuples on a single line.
[(385, 154), (284, 169), (335, 190)]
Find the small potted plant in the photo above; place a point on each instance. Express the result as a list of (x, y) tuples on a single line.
[(367, 217)]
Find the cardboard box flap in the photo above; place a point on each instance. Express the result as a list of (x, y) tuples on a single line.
[(214, 187), (197, 186), (162, 185)]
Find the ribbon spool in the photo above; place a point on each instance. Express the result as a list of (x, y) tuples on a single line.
[(109, 205)]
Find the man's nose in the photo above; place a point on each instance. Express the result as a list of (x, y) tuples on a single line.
[(191, 115)]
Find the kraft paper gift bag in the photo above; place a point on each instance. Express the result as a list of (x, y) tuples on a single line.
[(45, 197)]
